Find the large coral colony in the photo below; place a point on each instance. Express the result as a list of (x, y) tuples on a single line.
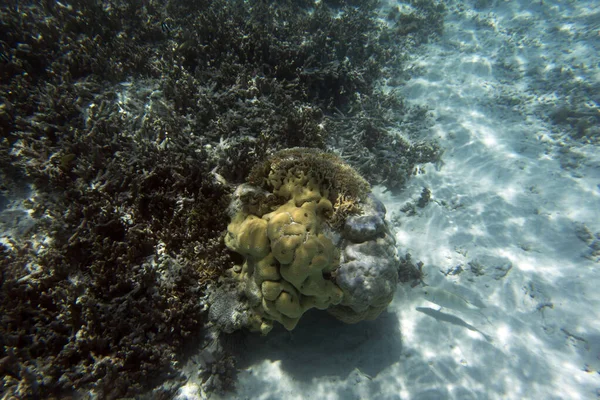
[(172, 168), (311, 235)]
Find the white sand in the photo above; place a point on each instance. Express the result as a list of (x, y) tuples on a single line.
[(512, 199)]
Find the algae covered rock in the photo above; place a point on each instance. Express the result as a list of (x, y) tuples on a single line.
[(311, 235)]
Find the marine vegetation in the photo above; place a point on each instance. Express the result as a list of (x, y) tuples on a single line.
[(126, 126)]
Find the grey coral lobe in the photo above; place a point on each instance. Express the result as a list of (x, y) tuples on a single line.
[(370, 225), (368, 271), (368, 274)]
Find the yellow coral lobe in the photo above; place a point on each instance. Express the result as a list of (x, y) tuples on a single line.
[(249, 237), (285, 247), (289, 323), (270, 308), (324, 207), (314, 290), (267, 269), (288, 305), (313, 286), (265, 327), (307, 194), (276, 222), (271, 290), (293, 229), (295, 273), (305, 214)]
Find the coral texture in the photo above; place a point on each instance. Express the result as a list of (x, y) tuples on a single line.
[(368, 271), (119, 122), (311, 212), (287, 254)]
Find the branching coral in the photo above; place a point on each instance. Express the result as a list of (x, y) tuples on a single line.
[(120, 135)]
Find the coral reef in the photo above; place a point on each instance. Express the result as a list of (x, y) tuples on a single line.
[(121, 124), (311, 237)]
